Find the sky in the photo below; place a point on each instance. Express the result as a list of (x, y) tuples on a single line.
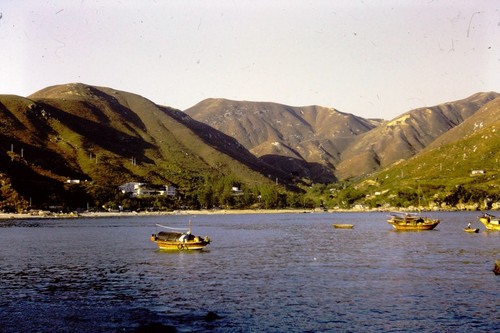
[(374, 59)]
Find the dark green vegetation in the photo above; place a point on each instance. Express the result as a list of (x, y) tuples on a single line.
[(104, 138)]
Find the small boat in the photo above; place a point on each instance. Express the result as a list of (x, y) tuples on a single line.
[(411, 222), (343, 226), (178, 241), (471, 230), (490, 222), (496, 270)]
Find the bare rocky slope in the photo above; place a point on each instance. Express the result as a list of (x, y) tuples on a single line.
[(407, 135), (307, 142), (323, 144)]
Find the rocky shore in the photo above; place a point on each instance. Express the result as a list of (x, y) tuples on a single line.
[(50, 215), (104, 214)]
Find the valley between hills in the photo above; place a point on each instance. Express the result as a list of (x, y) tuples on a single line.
[(69, 147)]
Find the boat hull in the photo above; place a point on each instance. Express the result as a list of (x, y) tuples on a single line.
[(173, 241), (179, 246), (470, 230), (412, 222), (343, 226), (414, 227)]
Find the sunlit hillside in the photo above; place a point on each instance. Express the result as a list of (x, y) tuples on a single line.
[(105, 137), (459, 168)]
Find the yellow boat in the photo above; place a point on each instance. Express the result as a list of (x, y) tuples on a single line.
[(179, 241), (411, 222), (343, 226), (490, 222), (471, 230)]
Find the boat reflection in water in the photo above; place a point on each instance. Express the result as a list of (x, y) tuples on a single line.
[(411, 222)]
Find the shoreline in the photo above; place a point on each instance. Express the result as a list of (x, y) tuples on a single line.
[(49, 215)]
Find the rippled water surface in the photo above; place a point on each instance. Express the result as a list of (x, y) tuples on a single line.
[(262, 273)]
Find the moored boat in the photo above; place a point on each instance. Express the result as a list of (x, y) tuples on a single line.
[(490, 222), (471, 230), (175, 240), (343, 226), (411, 222)]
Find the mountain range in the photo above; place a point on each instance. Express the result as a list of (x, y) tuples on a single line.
[(326, 145), (109, 137)]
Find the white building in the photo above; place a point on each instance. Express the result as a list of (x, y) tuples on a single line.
[(136, 189), (170, 190), (477, 172), (236, 191), (132, 188)]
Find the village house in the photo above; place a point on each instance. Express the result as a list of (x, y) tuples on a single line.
[(236, 191), (136, 189)]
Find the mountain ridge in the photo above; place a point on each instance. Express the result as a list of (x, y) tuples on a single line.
[(408, 134), (326, 145), (302, 140)]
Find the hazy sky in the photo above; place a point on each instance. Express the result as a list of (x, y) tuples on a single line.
[(369, 58)]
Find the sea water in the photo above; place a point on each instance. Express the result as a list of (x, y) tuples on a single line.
[(261, 273)]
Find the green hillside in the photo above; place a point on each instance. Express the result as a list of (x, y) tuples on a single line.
[(460, 169), (104, 138)]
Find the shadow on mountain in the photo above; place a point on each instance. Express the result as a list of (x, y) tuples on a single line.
[(24, 178), (125, 113), (228, 145), (103, 136), (300, 169), (36, 156), (10, 119)]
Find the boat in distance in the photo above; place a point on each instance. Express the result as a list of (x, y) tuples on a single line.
[(343, 226), (471, 230), (179, 241), (411, 222), (490, 222)]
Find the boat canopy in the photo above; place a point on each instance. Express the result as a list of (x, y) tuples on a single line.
[(173, 236), (168, 236)]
